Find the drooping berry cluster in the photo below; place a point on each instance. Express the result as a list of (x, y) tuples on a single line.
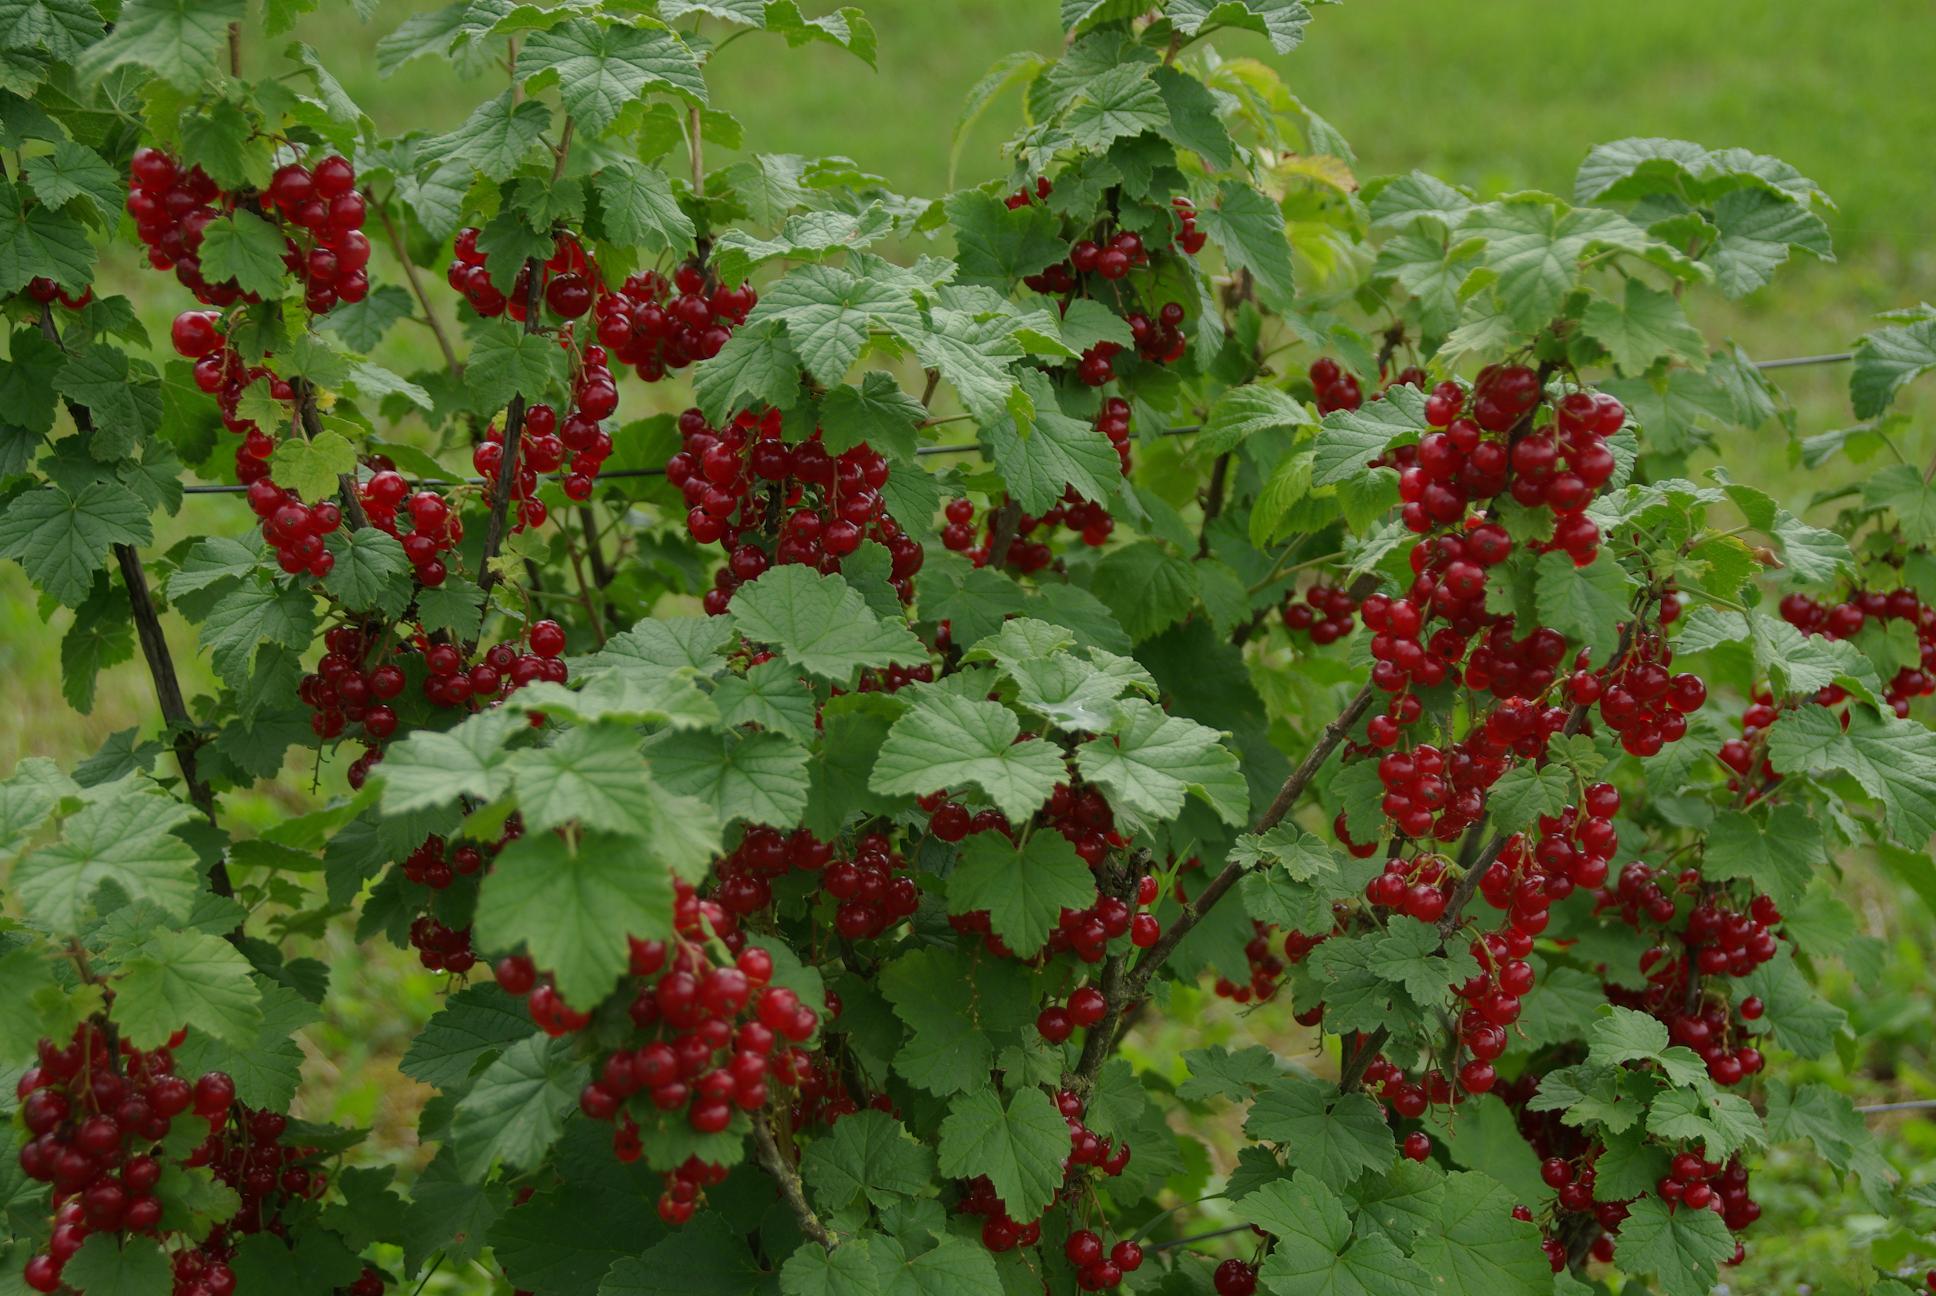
[(1639, 700), (713, 1038), (318, 209), (95, 1117), (578, 444), (659, 327), (768, 502)]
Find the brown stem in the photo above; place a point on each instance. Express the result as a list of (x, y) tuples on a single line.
[(507, 469), (788, 1181), (183, 734), (1139, 977), (927, 392), (415, 280), (585, 599), (235, 50), (311, 423), (1008, 521), (1213, 502)]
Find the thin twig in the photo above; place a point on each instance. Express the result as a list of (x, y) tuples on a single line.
[(311, 424), (1918, 1105), (1001, 538), (788, 1181), (507, 470), (1138, 979), (1213, 501), (1194, 1238), (415, 280)]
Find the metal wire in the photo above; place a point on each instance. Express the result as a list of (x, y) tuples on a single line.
[(1791, 362)]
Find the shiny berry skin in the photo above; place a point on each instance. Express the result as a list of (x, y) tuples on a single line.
[(1082, 1249), (1235, 1278), (1418, 1145), (194, 334), (547, 638)]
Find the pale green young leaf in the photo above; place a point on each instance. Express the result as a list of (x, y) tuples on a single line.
[(1243, 412), (1121, 102), (313, 467)]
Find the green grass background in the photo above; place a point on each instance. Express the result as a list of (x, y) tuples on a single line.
[(1495, 94)]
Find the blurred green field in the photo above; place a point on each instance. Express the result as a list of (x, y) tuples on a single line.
[(1498, 95)]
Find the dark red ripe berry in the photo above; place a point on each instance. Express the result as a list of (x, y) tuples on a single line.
[(569, 296), (1418, 1145), (194, 334), (547, 638), (1083, 1248), (334, 177), (1235, 1278)]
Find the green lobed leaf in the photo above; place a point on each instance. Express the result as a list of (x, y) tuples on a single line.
[(572, 907), (946, 741), (1681, 1248), (820, 623), (186, 978), (600, 68), (516, 1109), (1023, 889), (1148, 762), (1020, 1146)]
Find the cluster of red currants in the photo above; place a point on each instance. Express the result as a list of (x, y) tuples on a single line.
[(319, 209), (1571, 851), (45, 292), (94, 1116), (815, 508), (340, 692), (434, 530), (1417, 886), (1265, 968), (503, 670), (1429, 793), (747, 872), (293, 529), (1325, 612), (544, 443), (660, 328), (873, 891), (1638, 699), (1862, 607), (1333, 387)]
